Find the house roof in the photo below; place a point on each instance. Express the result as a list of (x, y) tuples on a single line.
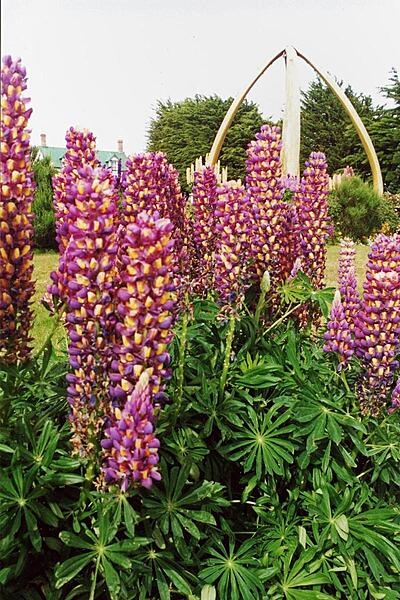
[(105, 157)]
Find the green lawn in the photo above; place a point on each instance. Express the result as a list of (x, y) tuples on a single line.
[(44, 263), (47, 261)]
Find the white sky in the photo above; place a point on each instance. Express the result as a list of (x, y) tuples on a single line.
[(104, 64)]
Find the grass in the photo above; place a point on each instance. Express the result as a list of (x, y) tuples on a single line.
[(45, 262)]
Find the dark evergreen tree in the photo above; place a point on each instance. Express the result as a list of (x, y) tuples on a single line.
[(186, 130), (326, 127), (386, 135)]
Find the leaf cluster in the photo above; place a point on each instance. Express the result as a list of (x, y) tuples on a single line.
[(273, 486)]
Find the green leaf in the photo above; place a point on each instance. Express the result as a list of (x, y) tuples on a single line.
[(71, 567), (342, 526), (112, 578), (74, 541), (178, 581)]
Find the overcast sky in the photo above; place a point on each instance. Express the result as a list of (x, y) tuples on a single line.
[(104, 64)]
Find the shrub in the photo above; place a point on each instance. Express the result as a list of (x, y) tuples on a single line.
[(44, 218), (359, 212)]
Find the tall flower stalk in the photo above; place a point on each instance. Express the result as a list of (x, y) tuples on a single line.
[(90, 276), (145, 306), (204, 198), (130, 448), (338, 337), (311, 201), (16, 230), (232, 247), (80, 153), (377, 330)]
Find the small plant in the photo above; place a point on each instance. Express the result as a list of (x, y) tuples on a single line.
[(358, 211)]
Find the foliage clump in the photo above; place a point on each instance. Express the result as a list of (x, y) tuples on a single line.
[(359, 212), (43, 207)]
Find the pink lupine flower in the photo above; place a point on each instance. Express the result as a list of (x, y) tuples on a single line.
[(130, 448), (80, 153), (232, 246), (311, 201), (151, 184), (204, 198), (90, 278), (263, 166), (347, 260), (263, 184), (347, 281), (145, 307), (338, 336), (350, 298), (289, 183), (16, 230), (377, 330)]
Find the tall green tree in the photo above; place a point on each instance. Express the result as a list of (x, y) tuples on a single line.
[(386, 134), (43, 208), (325, 127), (185, 130)]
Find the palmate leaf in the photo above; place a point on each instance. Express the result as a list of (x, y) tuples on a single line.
[(71, 567), (263, 445), (159, 569), (233, 572)]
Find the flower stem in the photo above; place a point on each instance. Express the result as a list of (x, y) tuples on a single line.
[(282, 318), (227, 355)]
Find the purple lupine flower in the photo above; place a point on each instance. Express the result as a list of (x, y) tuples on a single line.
[(232, 241), (377, 330), (350, 297), (263, 166), (395, 397), (16, 229), (146, 305), (347, 281), (338, 336), (204, 198), (347, 260), (263, 177), (151, 184), (90, 278), (289, 183), (130, 448), (80, 153), (311, 200), (275, 241)]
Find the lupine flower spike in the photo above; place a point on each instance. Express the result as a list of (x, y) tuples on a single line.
[(311, 200), (80, 153), (90, 277), (146, 304), (16, 230), (204, 198), (130, 447), (377, 330), (232, 248), (338, 336), (151, 184)]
